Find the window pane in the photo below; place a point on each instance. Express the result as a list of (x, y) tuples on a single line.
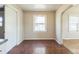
[(39, 19), (72, 27), (73, 19), (36, 28), (73, 23), (39, 23), (40, 27)]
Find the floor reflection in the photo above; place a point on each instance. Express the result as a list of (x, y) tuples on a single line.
[(39, 50), (39, 47)]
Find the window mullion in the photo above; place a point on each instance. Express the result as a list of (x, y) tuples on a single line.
[(39, 23)]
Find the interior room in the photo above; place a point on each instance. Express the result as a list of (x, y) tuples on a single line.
[(39, 29)]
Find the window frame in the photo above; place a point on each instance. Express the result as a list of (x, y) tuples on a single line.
[(77, 25), (40, 23)]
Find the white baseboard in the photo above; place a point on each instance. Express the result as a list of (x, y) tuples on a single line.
[(59, 42), (70, 38), (19, 42), (39, 39)]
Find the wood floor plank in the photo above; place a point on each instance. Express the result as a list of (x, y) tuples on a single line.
[(39, 47)]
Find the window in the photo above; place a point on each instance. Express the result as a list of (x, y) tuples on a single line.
[(0, 21), (73, 23), (39, 23)]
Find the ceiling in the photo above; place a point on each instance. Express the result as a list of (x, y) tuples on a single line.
[(40, 7)]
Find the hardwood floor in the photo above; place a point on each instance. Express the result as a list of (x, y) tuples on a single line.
[(39, 47), (72, 45)]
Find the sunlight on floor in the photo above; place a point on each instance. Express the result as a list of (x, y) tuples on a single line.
[(39, 50), (72, 45)]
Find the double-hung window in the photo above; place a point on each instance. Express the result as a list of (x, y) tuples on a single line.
[(39, 23), (73, 23)]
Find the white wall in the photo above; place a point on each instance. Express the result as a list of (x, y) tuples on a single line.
[(28, 26), (74, 11), (13, 23), (58, 23)]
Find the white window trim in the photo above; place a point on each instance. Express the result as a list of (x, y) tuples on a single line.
[(69, 24), (45, 23)]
